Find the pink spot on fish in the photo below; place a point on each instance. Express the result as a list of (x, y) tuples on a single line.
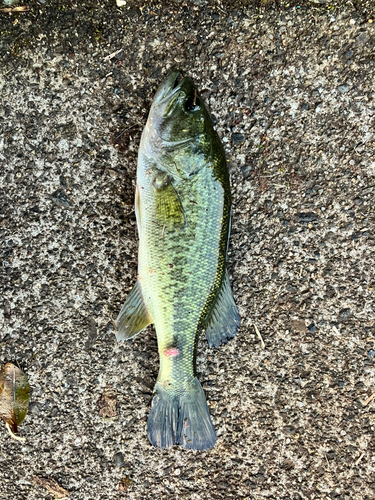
[(170, 353)]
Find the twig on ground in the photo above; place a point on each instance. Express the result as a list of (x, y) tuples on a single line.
[(125, 130), (359, 459), (325, 456), (259, 335), (110, 56), (370, 398)]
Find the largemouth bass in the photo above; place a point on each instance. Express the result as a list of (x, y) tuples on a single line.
[(183, 210)]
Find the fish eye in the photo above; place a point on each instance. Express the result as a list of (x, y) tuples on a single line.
[(192, 103)]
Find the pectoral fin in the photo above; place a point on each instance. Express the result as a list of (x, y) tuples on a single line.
[(169, 210), (133, 317), (223, 321)]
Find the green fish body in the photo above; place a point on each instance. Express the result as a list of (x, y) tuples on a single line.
[(183, 210)]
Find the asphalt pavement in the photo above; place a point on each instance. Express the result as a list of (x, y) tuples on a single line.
[(291, 90)]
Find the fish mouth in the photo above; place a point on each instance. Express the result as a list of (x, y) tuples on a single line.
[(171, 86), (177, 80)]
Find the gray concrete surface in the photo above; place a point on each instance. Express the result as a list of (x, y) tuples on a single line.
[(292, 91)]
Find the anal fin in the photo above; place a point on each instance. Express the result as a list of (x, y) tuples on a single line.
[(133, 317), (223, 321)]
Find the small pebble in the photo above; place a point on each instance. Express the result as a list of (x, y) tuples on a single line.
[(343, 88), (118, 459)]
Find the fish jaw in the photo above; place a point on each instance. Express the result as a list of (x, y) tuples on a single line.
[(178, 115), (166, 87)]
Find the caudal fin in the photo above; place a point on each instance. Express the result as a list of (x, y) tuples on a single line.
[(180, 419)]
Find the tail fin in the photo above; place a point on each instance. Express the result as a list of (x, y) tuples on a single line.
[(180, 418)]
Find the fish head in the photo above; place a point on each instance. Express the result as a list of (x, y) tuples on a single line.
[(178, 114)]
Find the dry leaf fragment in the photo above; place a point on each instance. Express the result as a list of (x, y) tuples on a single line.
[(124, 483), (21, 8), (14, 395), (107, 404), (52, 486)]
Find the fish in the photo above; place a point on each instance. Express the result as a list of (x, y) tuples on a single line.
[(183, 213)]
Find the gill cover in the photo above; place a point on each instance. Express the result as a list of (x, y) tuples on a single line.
[(178, 129)]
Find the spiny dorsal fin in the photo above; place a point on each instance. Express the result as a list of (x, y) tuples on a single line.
[(133, 317), (223, 321)]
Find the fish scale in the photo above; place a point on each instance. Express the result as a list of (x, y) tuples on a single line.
[(183, 209), (177, 295)]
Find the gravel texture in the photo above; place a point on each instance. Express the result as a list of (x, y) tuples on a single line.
[(292, 93)]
